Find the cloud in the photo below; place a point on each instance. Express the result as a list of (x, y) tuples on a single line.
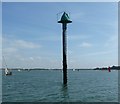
[(25, 44), (13, 45), (10, 46), (10, 49), (51, 38), (99, 53), (31, 58), (85, 45)]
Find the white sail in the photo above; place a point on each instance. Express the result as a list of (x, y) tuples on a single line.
[(73, 69), (7, 71)]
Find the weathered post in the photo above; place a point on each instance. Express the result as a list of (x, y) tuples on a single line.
[(64, 20)]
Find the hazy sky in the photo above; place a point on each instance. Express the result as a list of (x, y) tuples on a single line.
[(32, 37)]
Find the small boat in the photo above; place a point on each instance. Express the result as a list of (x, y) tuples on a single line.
[(73, 69), (19, 70), (7, 71)]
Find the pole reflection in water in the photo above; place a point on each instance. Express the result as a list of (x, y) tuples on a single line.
[(64, 93)]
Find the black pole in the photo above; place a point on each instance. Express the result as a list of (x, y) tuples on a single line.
[(64, 26), (64, 20)]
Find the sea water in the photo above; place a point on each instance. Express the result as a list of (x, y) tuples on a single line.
[(47, 86)]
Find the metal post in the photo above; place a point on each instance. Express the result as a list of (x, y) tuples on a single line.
[(64, 20), (64, 53)]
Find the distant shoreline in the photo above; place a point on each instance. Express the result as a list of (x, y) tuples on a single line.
[(60, 69)]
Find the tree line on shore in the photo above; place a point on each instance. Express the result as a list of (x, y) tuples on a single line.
[(106, 68), (97, 68)]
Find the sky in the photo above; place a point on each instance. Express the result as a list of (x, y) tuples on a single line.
[(32, 38)]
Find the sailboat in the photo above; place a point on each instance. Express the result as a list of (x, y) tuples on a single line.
[(73, 69), (7, 71), (19, 70)]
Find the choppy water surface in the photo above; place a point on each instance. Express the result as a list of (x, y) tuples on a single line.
[(46, 86)]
